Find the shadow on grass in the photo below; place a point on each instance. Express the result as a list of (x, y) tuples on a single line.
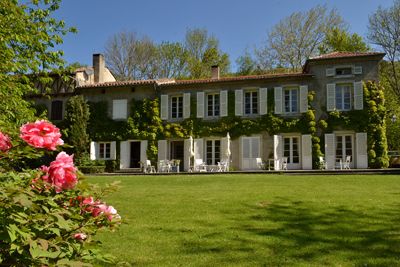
[(290, 233)]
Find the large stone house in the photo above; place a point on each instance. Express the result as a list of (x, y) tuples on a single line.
[(335, 80)]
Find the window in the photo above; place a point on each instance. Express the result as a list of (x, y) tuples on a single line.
[(343, 71), (343, 96), (344, 146), (213, 105), (291, 98), (120, 109), (104, 150), (213, 152), (251, 103), (177, 107), (56, 110), (291, 149)]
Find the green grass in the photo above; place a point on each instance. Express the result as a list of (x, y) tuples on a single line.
[(256, 220)]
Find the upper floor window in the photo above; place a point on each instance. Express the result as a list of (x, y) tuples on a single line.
[(120, 109), (56, 110), (105, 150), (343, 71), (213, 105), (343, 96), (177, 107), (251, 102), (291, 100)]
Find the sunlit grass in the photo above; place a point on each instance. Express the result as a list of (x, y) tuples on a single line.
[(253, 220)]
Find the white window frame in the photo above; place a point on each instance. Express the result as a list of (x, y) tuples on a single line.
[(252, 104), (103, 150), (179, 111), (291, 90), (341, 86), (213, 160), (216, 112)]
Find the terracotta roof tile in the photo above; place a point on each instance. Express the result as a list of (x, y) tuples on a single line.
[(243, 78), (345, 55), (167, 82)]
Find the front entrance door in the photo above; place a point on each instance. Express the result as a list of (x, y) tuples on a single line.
[(135, 155), (177, 152)]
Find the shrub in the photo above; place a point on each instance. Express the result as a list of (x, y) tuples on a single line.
[(48, 215)]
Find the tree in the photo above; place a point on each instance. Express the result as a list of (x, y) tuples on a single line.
[(171, 60), (297, 37), (384, 31), (76, 119), (28, 35), (131, 57), (339, 40), (246, 64), (203, 52)]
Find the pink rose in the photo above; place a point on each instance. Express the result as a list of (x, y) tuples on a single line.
[(80, 236), (108, 211), (62, 172), (41, 134), (5, 142)]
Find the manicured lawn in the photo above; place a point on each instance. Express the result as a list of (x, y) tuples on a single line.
[(256, 220)]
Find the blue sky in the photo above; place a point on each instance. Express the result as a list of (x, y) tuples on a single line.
[(237, 24)]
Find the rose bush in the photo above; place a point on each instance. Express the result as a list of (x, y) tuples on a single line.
[(48, 215)]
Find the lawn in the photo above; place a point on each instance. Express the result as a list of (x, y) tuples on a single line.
[(256, 220)]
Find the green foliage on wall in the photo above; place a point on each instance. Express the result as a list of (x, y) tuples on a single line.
[(370, 120), (76, 121), (374, 102)]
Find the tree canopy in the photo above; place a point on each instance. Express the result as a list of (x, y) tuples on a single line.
[(28, 36)]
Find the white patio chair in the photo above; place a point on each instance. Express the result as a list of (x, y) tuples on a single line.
[(346, 163), (164, 166), (148, 168), (322, 163), (260, 164), (284, 163), (222, 166), (199, 166)]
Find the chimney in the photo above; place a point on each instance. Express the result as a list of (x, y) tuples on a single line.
[(98, 67), (215, 72)]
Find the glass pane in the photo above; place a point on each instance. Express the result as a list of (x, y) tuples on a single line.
[(286, 147), (108, 151), (255, 103), (247, 103), (216, 105), (180, 107), (339, 146), (294, 100), (101, 150), (210, 105), (287, 101)]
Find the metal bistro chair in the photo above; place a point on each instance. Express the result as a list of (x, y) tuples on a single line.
[(322, 163), (346, 163), (164, 166), (148, 168), (284, 163), (199, 166), (260, 164), (222, 166)]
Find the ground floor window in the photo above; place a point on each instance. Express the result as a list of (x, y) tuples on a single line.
[(104, 150), (213, 152), (291, 149)]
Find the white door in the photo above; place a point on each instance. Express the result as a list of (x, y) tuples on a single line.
[(291, 151), (250, 151), (344, 147)]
